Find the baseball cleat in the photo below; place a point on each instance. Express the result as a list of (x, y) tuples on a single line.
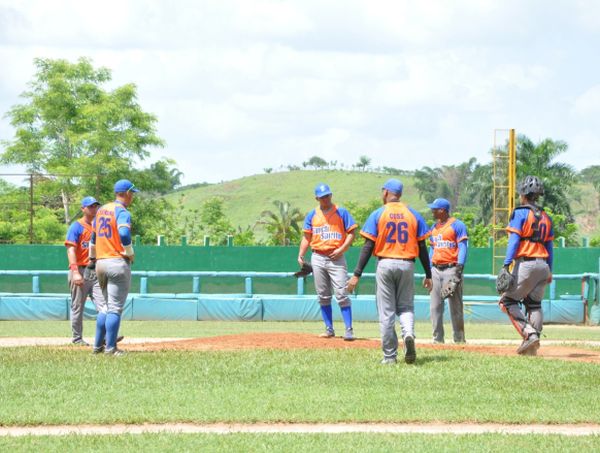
[(349, 335), (80, 342), (119, 339), (532, 343), (114, 352), (410, 353), (98, 350), (329, 333), (388, 361)]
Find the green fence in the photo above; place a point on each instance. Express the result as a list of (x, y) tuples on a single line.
[(251, 259)]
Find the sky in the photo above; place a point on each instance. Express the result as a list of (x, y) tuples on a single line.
[(240, 86)]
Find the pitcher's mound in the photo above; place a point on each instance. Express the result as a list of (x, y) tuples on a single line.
[(308, 341)]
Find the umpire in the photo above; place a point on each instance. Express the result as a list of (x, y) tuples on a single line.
[(329, 231), (530, 248), (448, 253)]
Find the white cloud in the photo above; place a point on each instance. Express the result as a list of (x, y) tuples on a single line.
[(240, 85)]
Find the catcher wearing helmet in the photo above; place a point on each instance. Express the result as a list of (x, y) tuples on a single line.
[(529, 250)]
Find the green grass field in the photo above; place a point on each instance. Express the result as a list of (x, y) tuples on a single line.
[(196, 329), (64, 385), (302, 443)]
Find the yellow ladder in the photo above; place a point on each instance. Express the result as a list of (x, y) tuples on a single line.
[(504, 161)]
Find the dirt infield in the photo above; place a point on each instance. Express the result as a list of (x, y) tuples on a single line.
[(586, 429), (307, 341)]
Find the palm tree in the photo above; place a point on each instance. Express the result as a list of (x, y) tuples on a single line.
[(532, 159), (282, 225)]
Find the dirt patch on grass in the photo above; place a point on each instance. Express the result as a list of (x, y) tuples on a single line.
[(283, 341)]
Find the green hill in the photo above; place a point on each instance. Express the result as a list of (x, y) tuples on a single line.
[(244, 199)]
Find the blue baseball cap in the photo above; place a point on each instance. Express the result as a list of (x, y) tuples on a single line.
[(125, 185), (322, 190), (89, 201), (440, 203), (394, 186)]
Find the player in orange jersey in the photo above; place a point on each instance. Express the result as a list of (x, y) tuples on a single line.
[(112, 249), (395, 234), (77, 243), (329, 231), (530, 247)]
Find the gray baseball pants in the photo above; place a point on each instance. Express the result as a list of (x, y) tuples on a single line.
[(455, 304), (79, 295), (330, 274), (395, 297), (114, 277), (531, 280)]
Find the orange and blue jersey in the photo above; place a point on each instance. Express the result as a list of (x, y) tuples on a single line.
[(112, 230), (396, 230), (78, 236), (328, 230), (529, 237), (448, 242)]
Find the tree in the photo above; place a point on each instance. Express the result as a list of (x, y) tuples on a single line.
[(532, 159), (591, 175), (316, 162), (363, 162), (161, 177), (538, 159), (282, 225), (448, 182), (69, 125)]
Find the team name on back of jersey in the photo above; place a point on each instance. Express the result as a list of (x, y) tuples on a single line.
[(440, 243), (326, 234)]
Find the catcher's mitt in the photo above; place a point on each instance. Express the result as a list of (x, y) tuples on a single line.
[(450, 286), (89, 273), (504, 281), (304, 271)]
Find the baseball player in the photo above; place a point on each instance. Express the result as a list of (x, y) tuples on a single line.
[(329, 231), (111, 248), (448, 254), (77, 243), (530, 248), (395, 234)]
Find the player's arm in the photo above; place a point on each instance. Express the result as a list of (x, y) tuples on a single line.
[(363, 259), (511, 249), (337, 253), (76, 276), (549, 245), (124, 227), (463, 247), (304, 243), (424, 259)]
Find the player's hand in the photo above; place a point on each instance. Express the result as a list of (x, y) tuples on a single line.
[(300, 260), (336, 254), (352, 284), (427, 284), (77, 278), (549, 278), (130, 258)]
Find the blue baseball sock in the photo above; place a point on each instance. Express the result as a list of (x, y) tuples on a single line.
[(113, 321), (100, 330), (327, 313), (347, 315)]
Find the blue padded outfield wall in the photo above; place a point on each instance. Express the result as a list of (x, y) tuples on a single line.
[(176, 294), (231, 307)]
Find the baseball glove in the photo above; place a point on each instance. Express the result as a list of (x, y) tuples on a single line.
[(304, 271), (89, 273), (450, 286), (504, 281)]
